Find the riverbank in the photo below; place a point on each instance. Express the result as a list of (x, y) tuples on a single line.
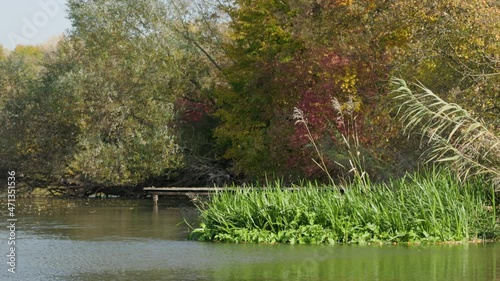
[(429, 207)]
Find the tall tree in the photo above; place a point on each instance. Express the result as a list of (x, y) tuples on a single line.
[(36, 128), (126, 82)]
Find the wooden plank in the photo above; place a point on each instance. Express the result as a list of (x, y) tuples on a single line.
[(204, 189), (184, 189), (177, 193)]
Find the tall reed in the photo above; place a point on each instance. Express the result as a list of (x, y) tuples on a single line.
[(346, 116), (453, 135)]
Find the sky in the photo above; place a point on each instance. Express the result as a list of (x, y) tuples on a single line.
[(31, 22)]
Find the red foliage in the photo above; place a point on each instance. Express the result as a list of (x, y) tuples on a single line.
[(319, 87), (191, 111)]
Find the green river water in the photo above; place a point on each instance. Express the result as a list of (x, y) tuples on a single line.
[(114, 239)]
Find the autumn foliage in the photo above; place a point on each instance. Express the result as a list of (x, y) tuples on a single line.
[(139, 89)]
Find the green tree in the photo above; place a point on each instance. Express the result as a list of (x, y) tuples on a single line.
[(453, 48), (112, 98), (140, 76), (37, 136), (125, 82), (261, 39)]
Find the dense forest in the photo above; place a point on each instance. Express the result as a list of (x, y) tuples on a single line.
[(177, 92)]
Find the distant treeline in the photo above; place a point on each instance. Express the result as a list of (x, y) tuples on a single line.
[(203, 92)]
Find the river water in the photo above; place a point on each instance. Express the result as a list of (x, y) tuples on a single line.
[(114, 239)]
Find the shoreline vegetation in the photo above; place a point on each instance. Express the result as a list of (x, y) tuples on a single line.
[(432, 206), (222, 93), (454, 201)]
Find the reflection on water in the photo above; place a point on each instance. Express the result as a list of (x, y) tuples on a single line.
[(133, 240), (105, 219)]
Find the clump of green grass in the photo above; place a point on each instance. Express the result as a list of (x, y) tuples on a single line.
[(424, 207)]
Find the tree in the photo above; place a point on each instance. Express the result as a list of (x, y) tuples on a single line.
[(291, 54), (113, 95), (453, 48), (37, 134), (125, 82)]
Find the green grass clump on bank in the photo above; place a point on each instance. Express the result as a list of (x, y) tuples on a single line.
[(429, 207)]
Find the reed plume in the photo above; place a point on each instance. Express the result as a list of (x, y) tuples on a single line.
[(453, 135)]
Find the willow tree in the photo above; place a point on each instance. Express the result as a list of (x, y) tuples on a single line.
[(37, 136), (140, 67), (124, 82)]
